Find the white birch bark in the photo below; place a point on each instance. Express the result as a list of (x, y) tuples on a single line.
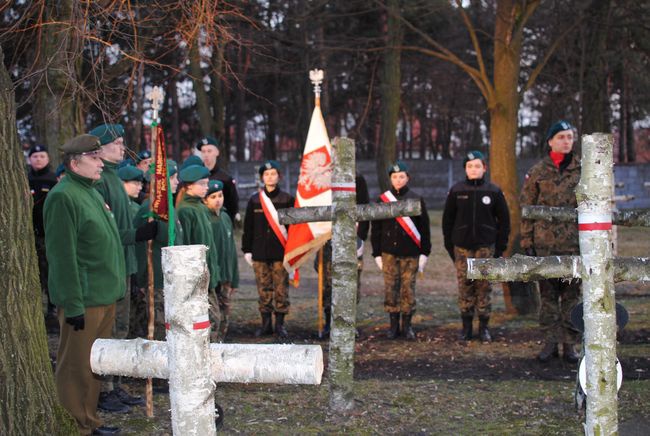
[(364, 212), (594, 194), (344, 279), (628, 218), (231, 363), (191, 390)]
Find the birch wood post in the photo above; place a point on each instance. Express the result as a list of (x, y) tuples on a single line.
[(344, 277), (628, 218), (191, 390), (594, 193)]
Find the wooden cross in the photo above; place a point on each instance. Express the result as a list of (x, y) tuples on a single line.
[(598, 269), (187, 358), (156, 97), (344, 213)]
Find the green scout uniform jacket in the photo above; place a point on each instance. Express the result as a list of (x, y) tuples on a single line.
[(86, 266), (111, 187), (548, 185), (159, 242), (225, 243), (195, 219)]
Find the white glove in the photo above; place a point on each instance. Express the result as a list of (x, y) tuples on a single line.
[(237, 217), (360, 250), (379, 263), (249, 258), (422, 262)]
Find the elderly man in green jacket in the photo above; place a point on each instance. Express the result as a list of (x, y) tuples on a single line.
[(113, 397), (86, 276)]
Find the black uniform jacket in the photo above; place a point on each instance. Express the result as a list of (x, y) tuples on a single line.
[(40, 184), (258, 237), (475, 215), (230, 195), (388, 236)]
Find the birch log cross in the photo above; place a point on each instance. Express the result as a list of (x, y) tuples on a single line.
[(344, 213), (187, 359), (598, 269)]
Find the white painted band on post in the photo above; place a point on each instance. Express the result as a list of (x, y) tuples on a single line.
[(594, 217), (344, 186)]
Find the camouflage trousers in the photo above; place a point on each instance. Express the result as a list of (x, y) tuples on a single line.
[(220, 308), (272, 286), (473, 295), (558, 297), (399, 283), (327, 275)]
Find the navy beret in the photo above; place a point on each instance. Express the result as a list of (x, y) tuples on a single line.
[(474, 154), (398, 167), (59, 170), (37, 149), (270, 165), (144, 154), (108, 133), (558, 127), (208, 140)]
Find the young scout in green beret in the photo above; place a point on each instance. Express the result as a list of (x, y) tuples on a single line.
[(400, 247), (263, 244), (552, 182), (475, 223), (86, 276), (113, 397), (195, 219), (159, 242), (225, 243), (209, 148)]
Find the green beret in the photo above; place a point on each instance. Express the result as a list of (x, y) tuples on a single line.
[(474, 154), (214, 186), (81, 144), (130, 173), (193, 173), (108, 132), (557, 128), (208, 140), (126, 162), (192, 160), (269, 165), (398, 167), (172, 167)]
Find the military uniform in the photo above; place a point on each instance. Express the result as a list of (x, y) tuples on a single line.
[(549, 185), (475, 224), (86, 278), (230, 195), (41, 183)]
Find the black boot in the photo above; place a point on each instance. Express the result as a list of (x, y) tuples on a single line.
[(267, 326), (328, 322), (407, 330), (394, 326), (483, 331), (280, 331), (569, 353), (467, 334), (548, 352)]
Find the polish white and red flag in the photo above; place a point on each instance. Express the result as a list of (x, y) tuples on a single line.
[(314, 189)]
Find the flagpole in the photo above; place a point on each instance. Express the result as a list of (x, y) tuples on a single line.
[(156, 97), (320, 292)]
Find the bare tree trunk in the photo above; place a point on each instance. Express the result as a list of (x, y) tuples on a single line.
[(202, 98), (137, 139), (216, 90), (390, 93), (176, 122), (56, 112), (28, 398)]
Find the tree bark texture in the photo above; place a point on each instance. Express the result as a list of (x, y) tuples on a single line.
[(364, 212), (28, 398), (594, 194), (629, 218), (202, 98), (344, 279), (230, 363), (531, 269), (390, 90), (56, 109), (191, 391)]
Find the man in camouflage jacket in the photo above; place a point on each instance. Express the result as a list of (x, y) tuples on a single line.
[(552, 182)]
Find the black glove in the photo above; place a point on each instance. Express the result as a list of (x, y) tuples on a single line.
[(530, 251), (147, 231), (78, 322)]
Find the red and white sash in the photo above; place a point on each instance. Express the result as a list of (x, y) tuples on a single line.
[(271, 215), (406, 222)]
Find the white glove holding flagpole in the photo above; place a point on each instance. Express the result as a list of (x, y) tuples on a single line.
[(379, 262), (249, 258), (422, 262)]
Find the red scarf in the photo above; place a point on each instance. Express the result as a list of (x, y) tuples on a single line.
[(557, 158)]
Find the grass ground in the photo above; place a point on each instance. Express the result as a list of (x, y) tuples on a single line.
[(435, 384)]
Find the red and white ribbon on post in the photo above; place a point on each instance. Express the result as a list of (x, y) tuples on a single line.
[(344, 187), (592, 221)]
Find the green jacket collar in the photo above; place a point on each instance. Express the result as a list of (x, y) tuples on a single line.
[(85, 181)]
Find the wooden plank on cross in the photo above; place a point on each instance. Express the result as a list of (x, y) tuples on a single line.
[(344, 213)]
